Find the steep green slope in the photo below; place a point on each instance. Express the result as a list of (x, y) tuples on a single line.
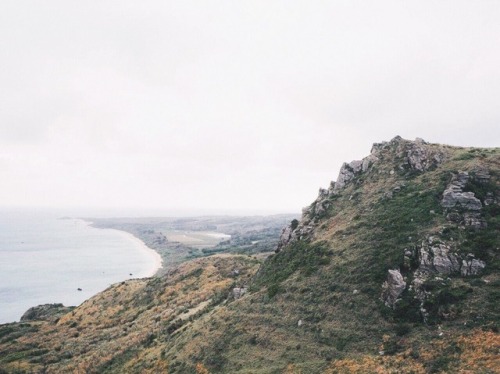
[(393, 268)]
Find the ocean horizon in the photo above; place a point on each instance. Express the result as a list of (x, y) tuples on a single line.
[(47, 257)]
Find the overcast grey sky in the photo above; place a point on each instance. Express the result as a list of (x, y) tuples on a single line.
[(231, 106)]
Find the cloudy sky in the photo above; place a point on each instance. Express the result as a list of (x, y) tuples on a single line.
[(230, 106)]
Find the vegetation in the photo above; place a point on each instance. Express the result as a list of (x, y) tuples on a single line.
[(313, 307)]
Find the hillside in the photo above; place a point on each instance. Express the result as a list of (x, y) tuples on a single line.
[(393, 268)]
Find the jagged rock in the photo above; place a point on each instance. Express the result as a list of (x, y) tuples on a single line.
[(465, 200), (422, 158), (392, 288), (346, 174), (296, 230), (320, 209), (437, 258), (454, 197), (367, 162), (471, 266), (323, 193), (45, 312), (286, 235)]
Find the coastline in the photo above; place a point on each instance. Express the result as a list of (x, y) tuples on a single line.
[(158, 261)]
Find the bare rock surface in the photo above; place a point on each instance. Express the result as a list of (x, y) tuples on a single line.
[(455, 197), (393, 287)]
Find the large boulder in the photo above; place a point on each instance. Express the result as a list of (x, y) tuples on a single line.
[(392, 288)]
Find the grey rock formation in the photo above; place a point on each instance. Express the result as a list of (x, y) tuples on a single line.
[(297, 230), (392, 288), (347, 173), (420, 157), (285, 237), (455, 197), (481, 175), (438, 258), (368, 162), (471, 266), (474, 220)]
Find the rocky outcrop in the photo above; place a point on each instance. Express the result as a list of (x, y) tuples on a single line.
[(422, 158), (289, 235), (392, 288), (471, 266), (437, 258), (347, 173), (418, 155), (474, 220), (46, 312), (455, 197)]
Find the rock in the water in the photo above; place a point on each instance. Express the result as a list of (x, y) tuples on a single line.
[(392, 288)]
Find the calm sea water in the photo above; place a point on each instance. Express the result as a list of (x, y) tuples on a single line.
[(45, 259)]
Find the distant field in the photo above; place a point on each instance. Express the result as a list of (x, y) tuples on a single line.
[(196, 239)]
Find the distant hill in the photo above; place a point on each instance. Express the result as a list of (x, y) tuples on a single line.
[(394, 268)]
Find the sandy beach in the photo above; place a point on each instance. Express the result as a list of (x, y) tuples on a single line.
[(158, 262)]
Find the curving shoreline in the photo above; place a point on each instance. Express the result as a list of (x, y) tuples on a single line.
[(158, 261)]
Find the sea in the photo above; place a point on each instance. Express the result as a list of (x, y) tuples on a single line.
[(49, 258)]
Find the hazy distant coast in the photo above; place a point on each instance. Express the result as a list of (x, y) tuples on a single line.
[(178, 239)]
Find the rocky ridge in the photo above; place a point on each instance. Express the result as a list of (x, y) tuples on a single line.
[(435, 257), (394, 268), (416, 156)]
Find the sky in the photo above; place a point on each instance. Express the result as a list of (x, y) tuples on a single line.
[(230, 106)]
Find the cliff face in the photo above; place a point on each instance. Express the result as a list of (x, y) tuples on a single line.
[(393, 268)]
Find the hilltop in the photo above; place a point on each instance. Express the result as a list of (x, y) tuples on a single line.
[(393, 268)]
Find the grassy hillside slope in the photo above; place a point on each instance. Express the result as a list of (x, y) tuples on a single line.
[(393, 268)]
